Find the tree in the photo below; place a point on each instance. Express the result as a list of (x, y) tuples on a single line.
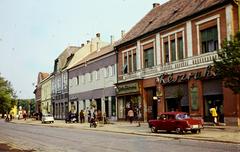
[(228, 64), (7, 96)]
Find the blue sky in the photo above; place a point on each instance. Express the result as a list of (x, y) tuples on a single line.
[(34, 32)]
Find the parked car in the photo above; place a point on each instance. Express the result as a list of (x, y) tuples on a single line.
[(180, 122), (47, 118)]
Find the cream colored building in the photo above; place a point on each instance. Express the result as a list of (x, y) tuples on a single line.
[(46, 95), (90, 47)]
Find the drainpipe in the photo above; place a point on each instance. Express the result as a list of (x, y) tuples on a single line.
[(238, 4)]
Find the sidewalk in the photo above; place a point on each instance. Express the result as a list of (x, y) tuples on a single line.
[(226, 134)]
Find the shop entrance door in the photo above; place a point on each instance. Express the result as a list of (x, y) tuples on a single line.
[(107, 107), (216, 101), (99, 104), (152, 104)]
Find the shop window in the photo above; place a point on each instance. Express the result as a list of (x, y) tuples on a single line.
[(148, 58), (180, 48), (209, 39), (113, 106), (173, 50)]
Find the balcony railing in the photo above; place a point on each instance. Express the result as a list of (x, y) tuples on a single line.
[(199, 61)]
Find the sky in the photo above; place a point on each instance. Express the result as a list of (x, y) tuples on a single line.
[(34, 32)]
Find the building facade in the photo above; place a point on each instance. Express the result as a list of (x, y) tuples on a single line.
[(38, 90), (165, 61), (91, 83), (59, 88), (46, 104)]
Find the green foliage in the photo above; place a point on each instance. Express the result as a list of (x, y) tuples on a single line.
[(26, 104), (228, 65), (7, 96)]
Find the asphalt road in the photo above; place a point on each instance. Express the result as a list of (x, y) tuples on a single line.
[(51, 139)]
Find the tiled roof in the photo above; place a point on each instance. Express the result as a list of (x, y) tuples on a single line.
[(104, 50), (65, 54), (167, 13)]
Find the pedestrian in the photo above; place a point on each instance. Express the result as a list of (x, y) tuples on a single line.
[(81, 116), (139, 115), (89, 116), (130, 115), (214, 114)]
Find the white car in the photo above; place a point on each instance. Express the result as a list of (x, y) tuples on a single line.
[(47, 118)]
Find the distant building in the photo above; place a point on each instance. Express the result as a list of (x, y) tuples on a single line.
[(37, 91), (46, 106), (91, 82), (59, 82)]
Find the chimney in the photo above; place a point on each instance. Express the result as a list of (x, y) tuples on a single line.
[(122, 33), (88, 41), (82, 45), (111, 39), (98, 35), (155, 5)]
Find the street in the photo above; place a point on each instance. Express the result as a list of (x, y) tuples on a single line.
[(51, 139)]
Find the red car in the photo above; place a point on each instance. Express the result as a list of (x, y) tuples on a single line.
[(176, 121)]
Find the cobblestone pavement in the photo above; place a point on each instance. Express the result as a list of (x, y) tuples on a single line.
[(227, 134)]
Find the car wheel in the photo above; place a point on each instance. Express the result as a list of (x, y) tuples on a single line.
[(194, 131), (178, 131), (153, 129)]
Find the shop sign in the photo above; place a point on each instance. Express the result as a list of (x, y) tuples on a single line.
[(169, 78), (128, 88)]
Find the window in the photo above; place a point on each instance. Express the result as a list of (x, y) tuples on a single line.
[(125, 65), (110, 71), (98, 75), (173, 50), (148, 58), (166, 51), (129, 61), (77, 80), (180, 48), (134, 62), (84, 78), (113, 70), (91, 76), (105, 70), (209, 39)]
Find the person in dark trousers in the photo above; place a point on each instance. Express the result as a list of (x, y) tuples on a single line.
[(81, 116)]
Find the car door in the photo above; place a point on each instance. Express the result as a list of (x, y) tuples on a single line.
[(170, 123), (162, 122)]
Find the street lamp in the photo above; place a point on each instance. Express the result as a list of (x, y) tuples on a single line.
[(238, 3)]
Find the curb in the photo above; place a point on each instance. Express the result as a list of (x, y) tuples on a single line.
[(137, 133), (158, 135)]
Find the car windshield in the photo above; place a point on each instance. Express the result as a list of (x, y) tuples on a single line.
[(47, 115), (182, 116)]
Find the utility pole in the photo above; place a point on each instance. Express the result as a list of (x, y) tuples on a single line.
[(238, 4)]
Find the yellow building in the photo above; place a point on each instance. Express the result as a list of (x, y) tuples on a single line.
[(46, 95)]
